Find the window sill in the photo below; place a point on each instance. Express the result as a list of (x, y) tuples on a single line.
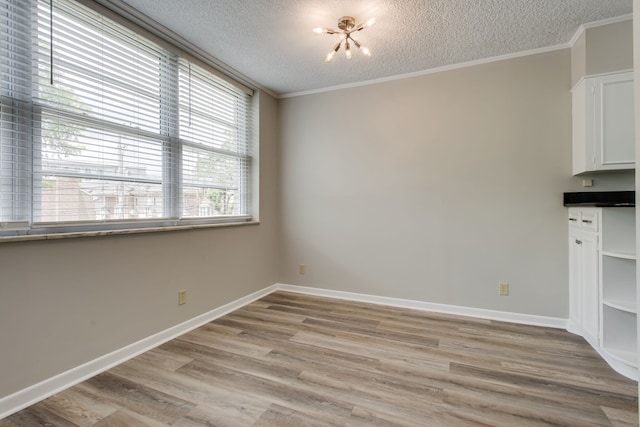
[(75, 235)]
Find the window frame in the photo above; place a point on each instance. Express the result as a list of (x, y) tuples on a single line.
[(172, 148)]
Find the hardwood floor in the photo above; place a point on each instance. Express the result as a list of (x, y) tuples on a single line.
[(296, 360)]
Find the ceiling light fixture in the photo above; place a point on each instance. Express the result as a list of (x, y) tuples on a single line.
[(347, 25)]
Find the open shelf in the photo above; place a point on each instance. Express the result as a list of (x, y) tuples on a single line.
[(626, 357), (619, 282), (619, 255), (624, 305), (620, 334), (619, 231)]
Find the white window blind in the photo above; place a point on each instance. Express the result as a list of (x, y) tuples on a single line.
[(213, 133), (101, 126), (15, 113)]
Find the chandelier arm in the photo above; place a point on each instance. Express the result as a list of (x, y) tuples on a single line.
[(320, 30), (364, 49), (362, 26)]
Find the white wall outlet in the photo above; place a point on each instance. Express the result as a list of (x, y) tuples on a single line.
[(182, 297), (301, 269), (504, 289)]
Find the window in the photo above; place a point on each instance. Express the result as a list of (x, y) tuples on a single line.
[(103, 128)]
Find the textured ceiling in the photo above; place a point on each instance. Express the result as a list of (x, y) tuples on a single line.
[(271, 42)]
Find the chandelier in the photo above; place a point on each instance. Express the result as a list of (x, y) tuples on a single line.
[(347, 25)]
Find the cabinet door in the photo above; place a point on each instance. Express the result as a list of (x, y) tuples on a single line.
[(575, 281), (584, 158), (614, 122), (590, 300)]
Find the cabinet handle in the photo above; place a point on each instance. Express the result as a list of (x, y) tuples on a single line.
[(579, 241), (573, 219), (588, 221)]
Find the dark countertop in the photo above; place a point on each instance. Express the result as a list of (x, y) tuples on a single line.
[(601, 199)]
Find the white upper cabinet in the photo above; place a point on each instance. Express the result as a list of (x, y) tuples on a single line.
[(603, 123)]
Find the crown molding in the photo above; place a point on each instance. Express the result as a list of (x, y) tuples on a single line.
[(430, 71), (567, 45), (582, 28)]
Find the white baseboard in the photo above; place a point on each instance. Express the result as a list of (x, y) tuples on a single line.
[(37, 392), (504, 316), (618, 365)]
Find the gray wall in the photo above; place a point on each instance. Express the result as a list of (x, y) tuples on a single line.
[(579, 59), (436, 188), (65, 302), (610, 48), (603, 49)]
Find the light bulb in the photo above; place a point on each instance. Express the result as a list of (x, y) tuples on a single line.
[(347, 50), (333, 52), (370, 22), (366, 51), (342, 36), (318, 30)]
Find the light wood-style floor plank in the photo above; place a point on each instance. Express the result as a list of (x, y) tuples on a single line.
[(296, 360)]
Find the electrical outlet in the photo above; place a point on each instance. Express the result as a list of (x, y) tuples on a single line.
[(301, 269), (182, 297), (504, 289)]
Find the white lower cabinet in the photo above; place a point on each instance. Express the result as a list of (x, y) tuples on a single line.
[(602, 279), (584, 273)]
